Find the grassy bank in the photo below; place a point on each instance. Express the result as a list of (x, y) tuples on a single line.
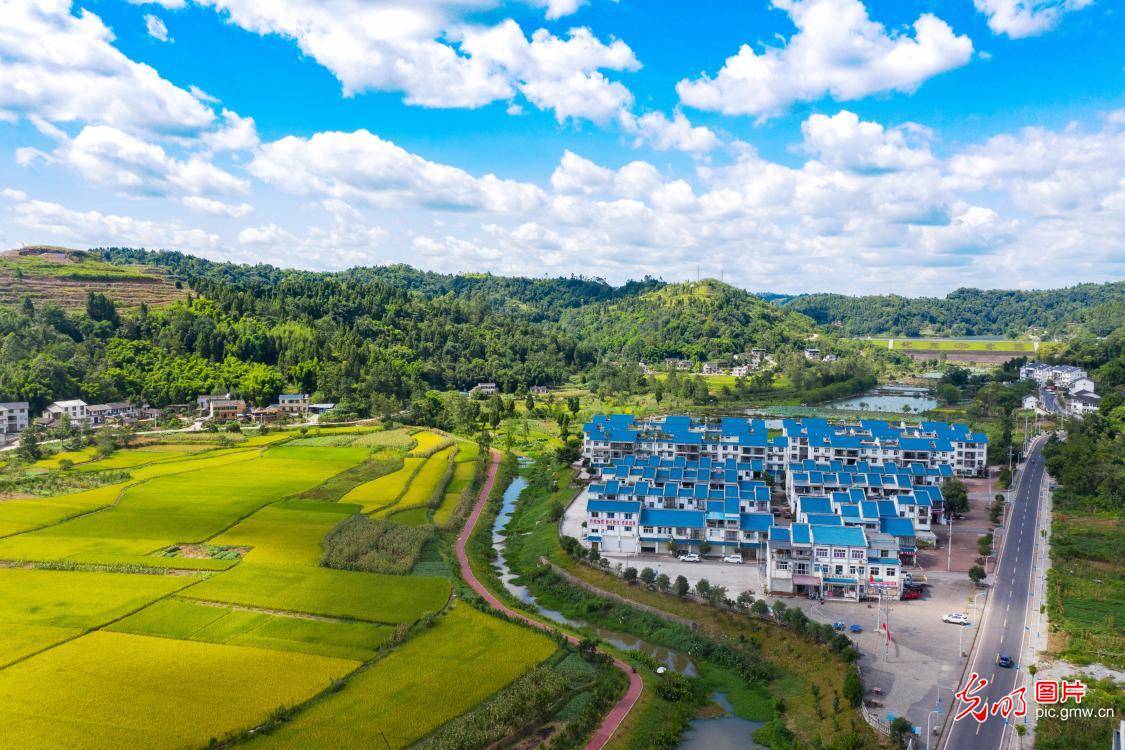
[(770, 673)]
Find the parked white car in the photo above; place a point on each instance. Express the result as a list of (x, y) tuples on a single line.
[(956, 618), (737, 559), (690, 557)]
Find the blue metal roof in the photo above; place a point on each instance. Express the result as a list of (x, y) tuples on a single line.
[(814, 505), (800, 533), (688, 519), (825, 519), (756, 521), (839, 536), (614, 506), (900, 527)]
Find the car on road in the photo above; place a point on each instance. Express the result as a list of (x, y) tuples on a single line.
[(1005, 661), (956, 618), (910, 594), (736, 559), (690, 557), (856, 628)]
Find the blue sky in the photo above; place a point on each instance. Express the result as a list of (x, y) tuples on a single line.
[(792, 145)]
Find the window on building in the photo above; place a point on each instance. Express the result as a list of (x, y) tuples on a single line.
[(839, 554), (857, 554), (609, 528), (822, 552)]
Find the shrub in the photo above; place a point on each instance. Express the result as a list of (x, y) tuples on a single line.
[(648, 575), (374, 546), (630, 575), (853, 687)]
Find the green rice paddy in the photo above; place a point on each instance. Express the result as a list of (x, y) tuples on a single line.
[(322, 591), (408, 694), (188, 603)]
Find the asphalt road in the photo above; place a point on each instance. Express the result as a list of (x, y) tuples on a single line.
[(1003, 626), (1050, 401)]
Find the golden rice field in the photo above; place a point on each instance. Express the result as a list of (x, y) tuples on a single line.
[(188, 603), (75, 457), (23, 514), (406, 695), (428, 442), (428, 480), (386, 490), (113, 690)]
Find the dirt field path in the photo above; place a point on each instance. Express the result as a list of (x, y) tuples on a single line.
[(621, 709)]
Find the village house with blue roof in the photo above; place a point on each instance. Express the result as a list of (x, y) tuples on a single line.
[(862, 496)]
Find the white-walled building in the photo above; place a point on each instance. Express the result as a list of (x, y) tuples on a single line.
[(1061, 375), (829, 560), (74, 409), (1082, 403), (99, 414), (14, 417), (293, 403)]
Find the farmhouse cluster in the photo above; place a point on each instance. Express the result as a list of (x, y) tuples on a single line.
[(857, 498), (1072, 384), (16, 416)]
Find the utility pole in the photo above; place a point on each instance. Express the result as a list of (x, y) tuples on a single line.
[(949, 541)]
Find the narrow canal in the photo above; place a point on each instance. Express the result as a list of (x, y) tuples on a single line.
[(726, 732)]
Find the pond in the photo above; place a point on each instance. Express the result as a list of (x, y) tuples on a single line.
[(889, 398), (670, 658), (726, 732)]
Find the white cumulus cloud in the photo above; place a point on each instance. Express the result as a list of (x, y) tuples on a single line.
[(1023, 18), (156, 28), (838, 50), (362, 166), (63, 67)]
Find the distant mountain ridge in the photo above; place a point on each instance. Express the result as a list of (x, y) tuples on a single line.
[(693, 320), (968, 312)]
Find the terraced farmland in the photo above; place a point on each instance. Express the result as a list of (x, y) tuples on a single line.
[(65, 276), (189, 601)]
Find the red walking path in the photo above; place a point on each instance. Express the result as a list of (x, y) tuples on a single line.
[(618, 713)]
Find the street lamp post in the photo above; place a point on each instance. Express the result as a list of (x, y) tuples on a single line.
[(929, 733)]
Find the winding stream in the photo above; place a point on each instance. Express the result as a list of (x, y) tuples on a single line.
[(727, 732)]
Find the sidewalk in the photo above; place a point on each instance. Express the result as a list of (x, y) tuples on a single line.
[(621, 709)]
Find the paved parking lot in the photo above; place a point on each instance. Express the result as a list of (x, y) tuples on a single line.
[(736, 578), (921, 661)]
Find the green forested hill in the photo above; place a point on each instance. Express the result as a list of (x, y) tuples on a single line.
[(539, 299), (694, 320), (970, 312), (376, 339)]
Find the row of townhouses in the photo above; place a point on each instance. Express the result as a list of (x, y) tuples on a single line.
[(14, 417), (859, 510), (607, 438), (659, 505), (79, 413), (1073, 385), (224, 408)]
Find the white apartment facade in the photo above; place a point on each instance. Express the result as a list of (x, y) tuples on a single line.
[(14, 417)]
